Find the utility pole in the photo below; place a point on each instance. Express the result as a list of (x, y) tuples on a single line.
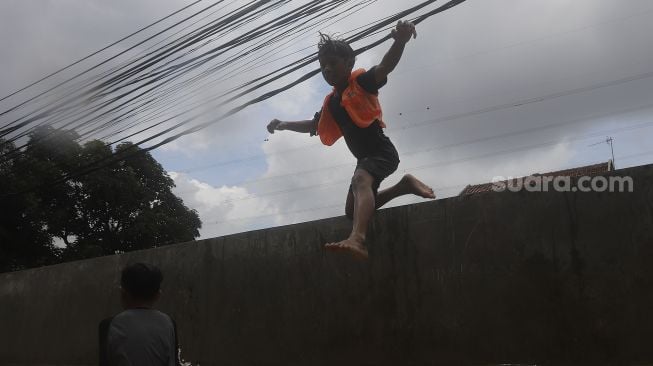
[(610, 141)]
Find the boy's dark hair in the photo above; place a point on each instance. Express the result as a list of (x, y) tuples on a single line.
[(334, 47), (142, 281)]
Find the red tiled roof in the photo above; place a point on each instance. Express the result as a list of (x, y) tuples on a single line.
[(590, 170)]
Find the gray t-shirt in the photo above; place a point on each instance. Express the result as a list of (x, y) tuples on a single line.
[(142, 337)]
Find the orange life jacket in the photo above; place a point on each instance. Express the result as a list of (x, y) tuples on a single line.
[(362, 107)]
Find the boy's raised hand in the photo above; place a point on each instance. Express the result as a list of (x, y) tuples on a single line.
[(404, 31), (273, 125)]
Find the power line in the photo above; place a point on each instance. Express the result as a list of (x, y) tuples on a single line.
[(364, 4), (100, 64), (45, 114), (53, 109), (451, 162), (98, 51), (42, 115), (476, 112), (104, 162), (340, 205)]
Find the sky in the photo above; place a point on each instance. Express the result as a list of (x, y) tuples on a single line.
[(488, 88)]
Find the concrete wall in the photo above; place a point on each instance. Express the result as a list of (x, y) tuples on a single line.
[(547, 278)]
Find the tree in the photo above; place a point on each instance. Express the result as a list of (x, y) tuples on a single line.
[(23, 237), (120, 207)]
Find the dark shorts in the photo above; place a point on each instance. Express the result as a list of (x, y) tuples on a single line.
[(379, 167)]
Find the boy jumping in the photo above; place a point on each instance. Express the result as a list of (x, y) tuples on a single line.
[(352, 110)]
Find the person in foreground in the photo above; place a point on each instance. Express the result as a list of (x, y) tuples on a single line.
[(352, 110), (140, 335)]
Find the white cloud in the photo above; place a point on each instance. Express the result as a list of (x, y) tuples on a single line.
[(474, 57), (223, 210)]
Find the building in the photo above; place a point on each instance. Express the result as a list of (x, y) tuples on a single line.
[(589, 170)]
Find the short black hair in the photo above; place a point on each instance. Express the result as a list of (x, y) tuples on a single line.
[(142, 281), (330, 46)]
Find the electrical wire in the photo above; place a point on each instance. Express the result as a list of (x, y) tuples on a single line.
[(123, 154)]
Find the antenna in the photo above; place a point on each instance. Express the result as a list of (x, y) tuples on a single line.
[(610, 141)]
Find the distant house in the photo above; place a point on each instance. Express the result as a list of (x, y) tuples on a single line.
[(590, 170)]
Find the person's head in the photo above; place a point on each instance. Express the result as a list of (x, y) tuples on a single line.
[(140, 284), (336, 60)]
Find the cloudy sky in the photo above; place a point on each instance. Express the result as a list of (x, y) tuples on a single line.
[(489, 88)]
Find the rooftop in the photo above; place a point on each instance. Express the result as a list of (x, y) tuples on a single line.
[(589, 170)]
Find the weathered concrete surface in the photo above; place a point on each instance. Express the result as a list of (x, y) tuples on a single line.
[(550, 278)]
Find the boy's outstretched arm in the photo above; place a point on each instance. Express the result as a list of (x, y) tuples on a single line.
[(306, 126), (401, 35)]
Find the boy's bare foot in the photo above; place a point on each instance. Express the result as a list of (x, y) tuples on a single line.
[(416, 187), (351, 245)]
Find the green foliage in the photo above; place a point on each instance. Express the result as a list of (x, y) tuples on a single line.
[(127, 205), (23, 238)]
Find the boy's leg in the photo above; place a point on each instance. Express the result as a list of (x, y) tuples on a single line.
[(407, 185), (349, 205), (364, 206)]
